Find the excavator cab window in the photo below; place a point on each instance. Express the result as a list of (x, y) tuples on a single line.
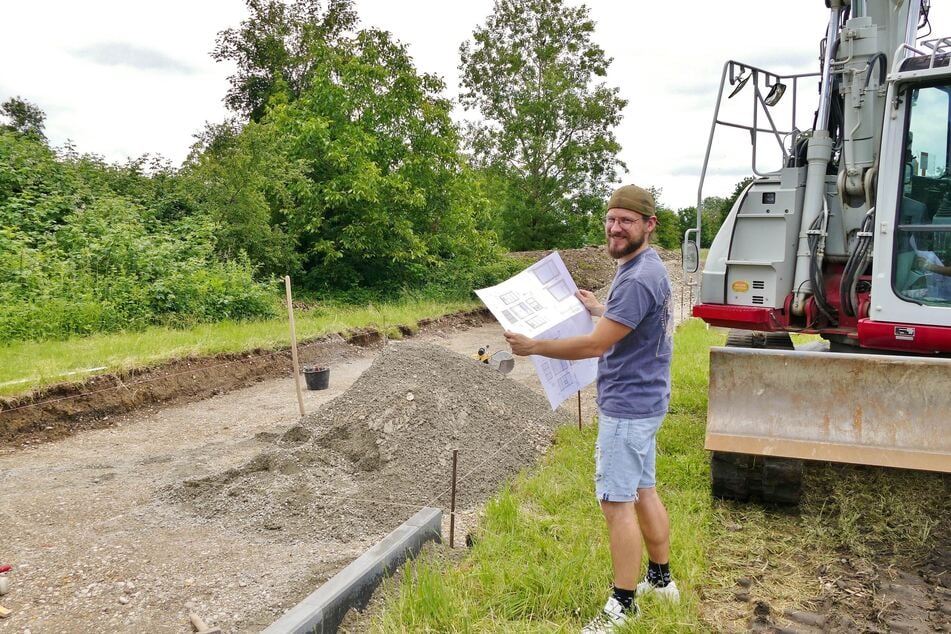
[(923, 235)]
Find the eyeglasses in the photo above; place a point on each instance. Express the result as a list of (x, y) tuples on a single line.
[(625, 223)]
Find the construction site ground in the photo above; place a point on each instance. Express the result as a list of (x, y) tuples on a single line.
[(131, 522)]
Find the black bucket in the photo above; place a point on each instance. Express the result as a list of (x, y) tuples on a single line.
[(316, 378)]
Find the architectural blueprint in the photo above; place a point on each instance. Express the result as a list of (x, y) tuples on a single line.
[(540, 303)]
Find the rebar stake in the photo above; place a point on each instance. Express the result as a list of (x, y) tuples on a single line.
[(452, 503), (579, 410)]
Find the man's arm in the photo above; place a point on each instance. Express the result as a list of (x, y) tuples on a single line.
[(606, 333), (940, 269), (934, 267)]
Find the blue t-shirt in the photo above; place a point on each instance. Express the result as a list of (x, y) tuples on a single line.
[(634, 374)]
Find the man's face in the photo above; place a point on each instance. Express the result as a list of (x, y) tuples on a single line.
[(625, 231)]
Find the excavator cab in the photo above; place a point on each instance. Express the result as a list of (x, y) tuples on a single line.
[(922, 261)]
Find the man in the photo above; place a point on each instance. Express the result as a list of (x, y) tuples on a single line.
[(634, 343)]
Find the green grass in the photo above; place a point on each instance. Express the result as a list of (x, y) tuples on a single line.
[(541, 564), (28, 365)]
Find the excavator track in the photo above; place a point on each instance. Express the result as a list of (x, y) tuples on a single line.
[(744, 477)]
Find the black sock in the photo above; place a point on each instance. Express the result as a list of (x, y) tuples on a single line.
[(658, 575), (626, 599)]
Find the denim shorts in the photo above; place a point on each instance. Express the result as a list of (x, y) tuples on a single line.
[(625, 457)]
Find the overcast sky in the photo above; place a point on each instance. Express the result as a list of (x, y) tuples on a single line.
[(124, 78)]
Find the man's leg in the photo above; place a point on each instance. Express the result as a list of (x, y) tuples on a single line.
[(625, 541), (654, 524)]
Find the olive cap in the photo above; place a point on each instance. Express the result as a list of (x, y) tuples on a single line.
[(633, 198)]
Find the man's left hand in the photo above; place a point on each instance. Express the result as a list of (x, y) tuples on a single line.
[(520, 344)]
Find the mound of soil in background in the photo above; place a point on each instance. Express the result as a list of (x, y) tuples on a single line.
[(593, 269), (372, 456), (590, 267)]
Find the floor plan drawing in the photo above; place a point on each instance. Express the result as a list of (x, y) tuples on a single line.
[(540, 302)]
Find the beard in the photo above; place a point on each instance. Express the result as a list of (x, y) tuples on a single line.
[(632, 245)]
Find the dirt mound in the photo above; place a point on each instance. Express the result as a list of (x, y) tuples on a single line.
[(592, 268), (380, 451)]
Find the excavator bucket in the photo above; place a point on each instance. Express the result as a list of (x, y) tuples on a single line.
[(892, 411)]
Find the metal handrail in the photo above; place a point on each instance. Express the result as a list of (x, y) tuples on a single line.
[(769, 78), (938, 46)]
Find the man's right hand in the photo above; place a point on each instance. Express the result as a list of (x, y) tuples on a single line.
[(590, 302)]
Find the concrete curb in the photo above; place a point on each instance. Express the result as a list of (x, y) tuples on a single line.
[(324, 609)]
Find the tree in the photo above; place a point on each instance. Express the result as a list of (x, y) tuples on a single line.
[(546, 129), (25, 118), (380, 202), (273, 49), (357, 181), (242, 179), (667, 234)]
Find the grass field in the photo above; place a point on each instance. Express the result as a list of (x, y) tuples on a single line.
[(540, 560), (28, 365)]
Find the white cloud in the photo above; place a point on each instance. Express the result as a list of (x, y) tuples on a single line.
[(124, 54)]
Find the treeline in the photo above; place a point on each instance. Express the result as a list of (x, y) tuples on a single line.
[(340, 166), (671, 225)]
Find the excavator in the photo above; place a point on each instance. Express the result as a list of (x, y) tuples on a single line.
[(843, 233)]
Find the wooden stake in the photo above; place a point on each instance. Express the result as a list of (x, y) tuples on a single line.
[(290, 318), (452, 503), (579, 410)]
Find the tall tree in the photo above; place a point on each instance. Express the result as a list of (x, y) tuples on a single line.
[(381, 201), (273, 49), (25, 117), (531, 71)]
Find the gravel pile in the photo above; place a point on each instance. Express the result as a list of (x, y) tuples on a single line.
[(383, 449)]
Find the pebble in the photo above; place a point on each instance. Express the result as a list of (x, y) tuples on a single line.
[(123, 599)]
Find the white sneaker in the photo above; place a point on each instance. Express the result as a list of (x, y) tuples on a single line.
[(668, 592), (610, 619)]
